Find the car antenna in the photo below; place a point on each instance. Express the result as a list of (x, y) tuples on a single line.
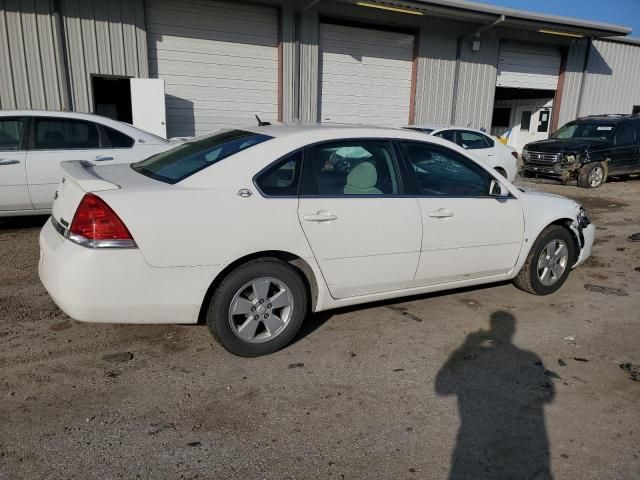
[(261, 123), (468, 124)]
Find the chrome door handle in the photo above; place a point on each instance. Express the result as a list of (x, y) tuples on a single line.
[(320, 216), (103, 159), (441, 213), (9, 162)]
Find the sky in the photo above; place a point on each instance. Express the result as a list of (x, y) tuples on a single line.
[(619, 12)]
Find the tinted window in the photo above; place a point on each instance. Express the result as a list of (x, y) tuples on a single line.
[(201, 152), (63, 134), (624, 134), (283, 178), (11, 133), (447, 135), (525, 120), (357, 167), (441, 171), (118, 139), (473, 140)]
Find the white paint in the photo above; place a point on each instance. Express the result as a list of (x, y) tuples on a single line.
[(147, 105), (540, 116), (189, 232), (365, 75)]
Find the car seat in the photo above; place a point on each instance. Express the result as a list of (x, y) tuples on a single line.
[(362, 180)]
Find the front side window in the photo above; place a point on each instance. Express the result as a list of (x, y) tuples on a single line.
[(282, 179), (447, 135), (441, 171), (65, 134), (351, 167), (184, 160), (11, 133), (587, 131)]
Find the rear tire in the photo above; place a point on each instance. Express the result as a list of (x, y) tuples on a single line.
[(258, 308), (592, 175), (549, 262)]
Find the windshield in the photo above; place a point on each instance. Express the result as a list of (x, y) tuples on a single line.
[(184, 160), (588, 131)]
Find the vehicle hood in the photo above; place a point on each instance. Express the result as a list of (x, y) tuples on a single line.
[(565, 145)]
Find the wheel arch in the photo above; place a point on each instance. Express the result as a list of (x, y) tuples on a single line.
[(297, 262), (566, 224)]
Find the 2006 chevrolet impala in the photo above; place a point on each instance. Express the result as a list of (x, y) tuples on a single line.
[(252, 229)]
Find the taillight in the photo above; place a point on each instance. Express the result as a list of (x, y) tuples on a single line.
[(95, 225), (514, 154)]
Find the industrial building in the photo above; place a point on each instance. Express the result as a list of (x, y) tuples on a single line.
[(374, 62)]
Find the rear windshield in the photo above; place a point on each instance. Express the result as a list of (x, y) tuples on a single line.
[(184, 160), (587, 131)]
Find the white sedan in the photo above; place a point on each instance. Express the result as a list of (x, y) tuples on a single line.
[(33, 143), (249, 230), (490, 150)]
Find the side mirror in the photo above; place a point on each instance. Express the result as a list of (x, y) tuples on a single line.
[(496, 189)]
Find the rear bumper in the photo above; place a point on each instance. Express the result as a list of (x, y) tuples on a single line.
[(117, 285)]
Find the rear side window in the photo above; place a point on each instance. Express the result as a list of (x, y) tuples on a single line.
[(282, 179), (184, 160), (64, 134), (11, 133), (624, 134), (117, 139)]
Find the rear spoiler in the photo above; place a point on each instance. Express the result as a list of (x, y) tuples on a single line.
[(82, 172)]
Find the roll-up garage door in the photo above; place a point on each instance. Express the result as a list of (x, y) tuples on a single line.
[(219, 61), (365, 75), (528, 66)]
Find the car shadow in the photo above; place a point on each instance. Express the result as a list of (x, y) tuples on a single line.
[(501, 392), (19, 223), (318, 319)]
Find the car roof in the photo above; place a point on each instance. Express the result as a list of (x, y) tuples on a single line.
[(91, 117), (611, 118), (439, 128)]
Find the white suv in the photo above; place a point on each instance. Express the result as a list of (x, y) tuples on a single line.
[(33, 143)]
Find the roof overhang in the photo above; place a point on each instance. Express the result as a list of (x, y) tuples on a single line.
[(482, 13)]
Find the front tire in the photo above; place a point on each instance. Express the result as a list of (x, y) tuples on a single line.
[(592, 175), (258, 308), (549, 262)]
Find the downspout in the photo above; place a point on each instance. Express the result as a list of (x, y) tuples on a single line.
[(61, 46), (456, 76)]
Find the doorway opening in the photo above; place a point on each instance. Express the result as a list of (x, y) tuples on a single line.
[(112, 97), (522, 115)]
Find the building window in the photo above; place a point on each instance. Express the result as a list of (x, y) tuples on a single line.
[(525, 120)]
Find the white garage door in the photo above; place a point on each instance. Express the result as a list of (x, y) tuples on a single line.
[(528, 66), (219, 61), (365, 75)]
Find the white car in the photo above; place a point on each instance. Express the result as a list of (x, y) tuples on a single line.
[(249, 230), (497, 155), (33, 143)]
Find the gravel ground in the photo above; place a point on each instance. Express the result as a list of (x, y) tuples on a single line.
[(491, 381)]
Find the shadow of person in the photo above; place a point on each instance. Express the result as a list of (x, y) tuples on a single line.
[(501, 392)]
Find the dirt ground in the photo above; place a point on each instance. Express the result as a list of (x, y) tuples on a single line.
[(481, 383)]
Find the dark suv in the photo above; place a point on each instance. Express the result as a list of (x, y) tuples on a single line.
[(588, 149)]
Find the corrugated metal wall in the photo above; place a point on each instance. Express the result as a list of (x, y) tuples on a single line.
[(309, 39), (572, 81), (476, 82), (106, 38), (612, 82), (31, 76), (435, 75)]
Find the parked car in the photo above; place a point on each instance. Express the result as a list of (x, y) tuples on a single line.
[(249, 230), (33, 143), (490, 150), (587, 150)]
